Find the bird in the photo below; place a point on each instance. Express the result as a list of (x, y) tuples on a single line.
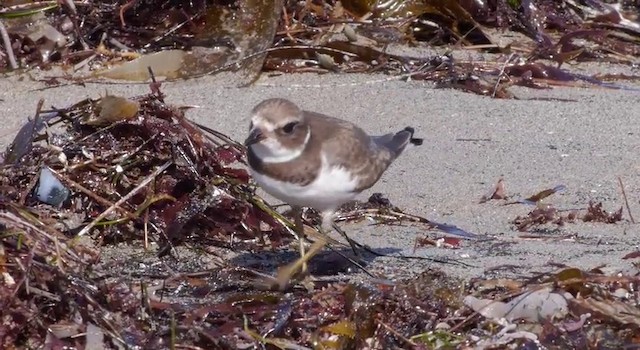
[(309, 159)]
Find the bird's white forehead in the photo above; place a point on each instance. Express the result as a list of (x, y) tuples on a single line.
[(262, 123), (269, 124)]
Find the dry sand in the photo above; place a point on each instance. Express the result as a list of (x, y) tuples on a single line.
[(581, 138)]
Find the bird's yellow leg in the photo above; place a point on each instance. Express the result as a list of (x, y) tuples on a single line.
[(286, 273), (300, 232)]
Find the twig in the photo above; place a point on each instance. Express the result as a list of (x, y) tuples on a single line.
[(626, 201), (170, 31), (71, 5), (473, 140), (84, 62), (146, 229), (45, 294), (397, 334), (93, 196), (22, 221), (29, 189), (101, 130), (119, 45), (144, 183), (495, 88), (7, 46), (23, 281), (34, 127)]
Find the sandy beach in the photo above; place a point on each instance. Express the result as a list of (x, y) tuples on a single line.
[(582, 138)]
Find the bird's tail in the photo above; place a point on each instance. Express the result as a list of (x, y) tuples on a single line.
[(396, 143), (412, 140)]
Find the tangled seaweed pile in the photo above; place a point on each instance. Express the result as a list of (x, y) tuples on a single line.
[(134, 166), (120, 170)]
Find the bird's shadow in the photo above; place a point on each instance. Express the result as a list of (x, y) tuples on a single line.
[(328, 262)]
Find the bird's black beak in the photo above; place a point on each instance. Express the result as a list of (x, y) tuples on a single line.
[(255, 136)]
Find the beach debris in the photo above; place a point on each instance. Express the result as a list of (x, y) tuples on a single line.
[(126, 163), (538, 197), (533, 306), (541, 215), (548, 214), (632, 255), (181, 40), (50, 190), (111, 109), (499, 192), (545, 213), (442, 242), (595, 213)]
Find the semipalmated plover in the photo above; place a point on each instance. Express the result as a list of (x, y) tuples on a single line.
[(308, 159)]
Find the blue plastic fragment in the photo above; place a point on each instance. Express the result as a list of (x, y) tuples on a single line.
[(50, 190)]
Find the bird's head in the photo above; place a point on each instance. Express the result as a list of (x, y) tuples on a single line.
[(278, 131)]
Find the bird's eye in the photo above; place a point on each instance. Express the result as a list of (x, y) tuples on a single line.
[(289, 127)]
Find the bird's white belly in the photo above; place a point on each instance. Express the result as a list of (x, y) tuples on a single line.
[(332, 188)]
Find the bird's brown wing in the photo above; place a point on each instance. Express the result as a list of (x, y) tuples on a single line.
[(349, 146)]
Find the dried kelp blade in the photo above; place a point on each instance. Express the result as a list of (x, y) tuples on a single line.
[(498, 192), (536, 198), (22, 143), (211, 36), (111, 109)]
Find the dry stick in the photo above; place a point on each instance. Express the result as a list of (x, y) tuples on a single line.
[(7, 46), (60, 259), (146, 228), (285, 274), (397, 334), (93, 196), (22, 222), (504, 66), (71, 5), (626, 201), (18, 286), (144, 183), (34, 180)]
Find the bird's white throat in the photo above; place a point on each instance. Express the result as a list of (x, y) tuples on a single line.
[(271, 150)]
